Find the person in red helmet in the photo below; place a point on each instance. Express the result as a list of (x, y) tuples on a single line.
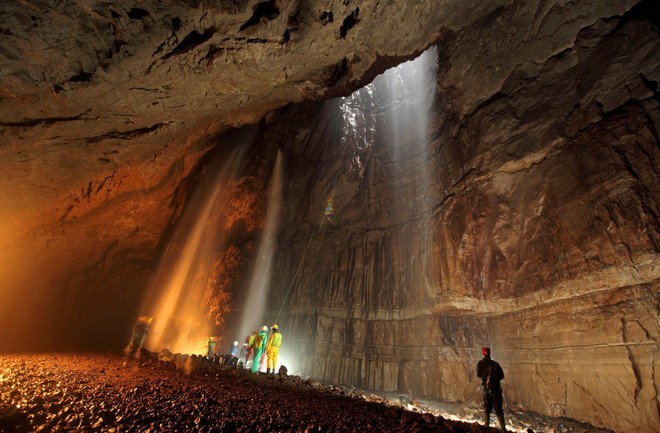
[(491, 373)]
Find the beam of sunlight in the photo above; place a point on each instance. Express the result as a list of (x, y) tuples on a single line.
[(410, 90), (389, 120), (255, 304), (175, 298)]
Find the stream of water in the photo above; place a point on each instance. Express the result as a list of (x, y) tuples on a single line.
[(176, 298), (261, 273)]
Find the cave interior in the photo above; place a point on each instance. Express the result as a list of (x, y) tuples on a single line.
[(395, 184)]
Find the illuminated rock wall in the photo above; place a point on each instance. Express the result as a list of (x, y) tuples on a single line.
[(537, 232), (107, 108)]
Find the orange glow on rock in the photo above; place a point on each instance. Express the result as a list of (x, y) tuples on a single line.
[(223, 273), (241, 208), (187, 295)]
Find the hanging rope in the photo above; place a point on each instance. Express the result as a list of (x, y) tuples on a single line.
[(329, 209), (302, 258)]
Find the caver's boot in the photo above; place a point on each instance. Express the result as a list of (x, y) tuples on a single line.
[(500, 419)]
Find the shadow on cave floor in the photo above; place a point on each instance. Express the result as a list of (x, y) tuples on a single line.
[(111, 393)]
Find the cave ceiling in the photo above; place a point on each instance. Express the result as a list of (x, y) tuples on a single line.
[(90, 90), (105, 107)]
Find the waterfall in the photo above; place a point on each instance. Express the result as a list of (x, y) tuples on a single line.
[(261, 274), (176, 296), (392, 115), (388, 124), (410, 89)]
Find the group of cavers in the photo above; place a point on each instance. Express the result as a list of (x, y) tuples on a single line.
[(260, 350)]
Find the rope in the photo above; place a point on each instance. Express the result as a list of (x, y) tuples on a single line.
[(302, 258), (332, 195)]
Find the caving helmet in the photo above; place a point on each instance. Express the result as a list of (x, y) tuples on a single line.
[(485, 351), (275, 326), (265, 328)]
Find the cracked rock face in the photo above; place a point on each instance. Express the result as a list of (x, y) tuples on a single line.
[(105, 108), (528, 220), (528, 224)]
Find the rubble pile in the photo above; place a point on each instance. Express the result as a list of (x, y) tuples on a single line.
[(109, 393)]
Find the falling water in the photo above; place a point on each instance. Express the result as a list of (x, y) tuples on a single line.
[(410, 96), (389, 121), (410, 90), (392, 113), (176, 297), (261, 275)]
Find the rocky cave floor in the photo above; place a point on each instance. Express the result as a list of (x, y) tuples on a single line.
[(111, 393)]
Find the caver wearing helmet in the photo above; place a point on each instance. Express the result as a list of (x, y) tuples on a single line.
[(491, 374), (260, 347), (210, 347), (273, 348)]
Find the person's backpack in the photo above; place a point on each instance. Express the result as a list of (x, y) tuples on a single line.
[(258, 340), (492, 381)]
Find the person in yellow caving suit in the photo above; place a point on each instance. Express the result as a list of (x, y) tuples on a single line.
[(273, 348)]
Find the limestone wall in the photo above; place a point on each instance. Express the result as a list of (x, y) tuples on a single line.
[(536, 232)]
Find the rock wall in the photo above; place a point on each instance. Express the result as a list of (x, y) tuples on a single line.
[(107, 108), (529, 224)]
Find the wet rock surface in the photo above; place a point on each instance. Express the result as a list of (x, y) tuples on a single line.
[(528, 223), (57, 392)]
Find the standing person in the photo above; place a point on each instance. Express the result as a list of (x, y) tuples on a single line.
[(273, 348), (491, 373), (242, 356), (233, 360), (210, 348), (259, 345), (249, 352), (139, 336)]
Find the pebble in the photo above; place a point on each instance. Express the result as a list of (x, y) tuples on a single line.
[(53, 393)]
